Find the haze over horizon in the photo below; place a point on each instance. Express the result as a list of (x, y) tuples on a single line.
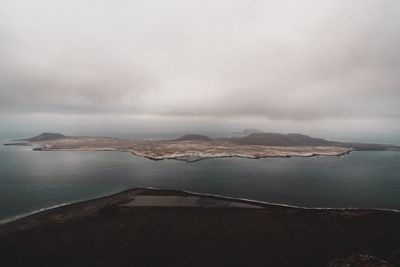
[(329, 68)]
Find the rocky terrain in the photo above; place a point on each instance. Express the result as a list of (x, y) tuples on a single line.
[(360, 260), (194, 137), (147, 227), (188, 147), (194, 147), (277, 139), (45, 137)]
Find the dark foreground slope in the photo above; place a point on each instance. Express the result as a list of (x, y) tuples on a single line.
[(109, 232)]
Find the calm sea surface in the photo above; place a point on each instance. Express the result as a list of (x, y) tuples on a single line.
[(31, 180)]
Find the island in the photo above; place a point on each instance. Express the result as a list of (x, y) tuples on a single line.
[(154, 227), (194, 147)]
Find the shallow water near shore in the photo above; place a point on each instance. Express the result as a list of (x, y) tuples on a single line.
[(33, 180)]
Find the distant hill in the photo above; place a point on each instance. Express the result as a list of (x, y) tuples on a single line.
[(264, 139), (44, 137), (251, 131), (194, 137), (277, 139)]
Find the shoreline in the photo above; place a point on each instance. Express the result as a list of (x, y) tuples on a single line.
[(189, 158), (273, 205), (192, 147), (159, 227)]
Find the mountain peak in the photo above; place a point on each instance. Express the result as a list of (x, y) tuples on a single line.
[(45, 137), (194, 137)]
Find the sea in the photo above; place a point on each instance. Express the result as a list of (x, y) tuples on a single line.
[(31, 181)]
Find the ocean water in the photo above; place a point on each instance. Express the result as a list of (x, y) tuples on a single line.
[(34, 180)]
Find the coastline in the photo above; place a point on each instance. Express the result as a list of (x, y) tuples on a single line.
[(121, 229), (216, 196), (30, 213), (195, 156), (193, 147)]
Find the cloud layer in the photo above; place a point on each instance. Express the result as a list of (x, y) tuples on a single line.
[(296, 60)]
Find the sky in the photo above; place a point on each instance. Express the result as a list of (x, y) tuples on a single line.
[(329, 68)]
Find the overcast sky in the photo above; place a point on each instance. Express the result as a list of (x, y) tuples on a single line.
[(285, 63)]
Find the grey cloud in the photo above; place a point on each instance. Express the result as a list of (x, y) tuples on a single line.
[(296, 60)]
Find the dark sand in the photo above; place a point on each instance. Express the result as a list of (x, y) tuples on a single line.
[(110, 231)]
